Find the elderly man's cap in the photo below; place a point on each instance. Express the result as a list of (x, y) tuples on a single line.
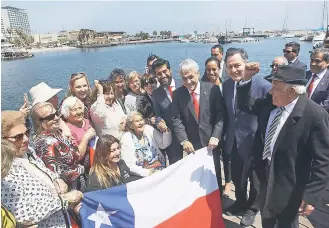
[(9, 120), (289, 74)]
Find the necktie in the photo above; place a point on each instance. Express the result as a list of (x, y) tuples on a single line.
[(195, 104), (271, 132), (289, 63), (170, 91), (311, 85)]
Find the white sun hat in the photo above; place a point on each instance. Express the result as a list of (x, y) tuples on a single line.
[(42, 93)]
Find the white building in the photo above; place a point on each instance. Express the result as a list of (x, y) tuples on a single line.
[(45, 38), (14, 18)]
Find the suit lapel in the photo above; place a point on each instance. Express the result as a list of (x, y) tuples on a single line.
[(323, 83), (293, 118), (187, 98), (163, 95), (203, 99)]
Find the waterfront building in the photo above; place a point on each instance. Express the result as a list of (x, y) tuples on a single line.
[(14, 18)]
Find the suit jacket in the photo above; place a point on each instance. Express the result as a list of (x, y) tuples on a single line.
[(299, 63), (163, 105), (299, 166), (210, 123), (239, 125), (321, 92)]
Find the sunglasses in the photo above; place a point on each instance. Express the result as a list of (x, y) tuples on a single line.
[(51, 116), (150, 82), (20, 136), (286, 51), (274, 65)]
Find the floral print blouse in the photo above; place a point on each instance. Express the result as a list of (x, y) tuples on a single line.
[(62, 157)]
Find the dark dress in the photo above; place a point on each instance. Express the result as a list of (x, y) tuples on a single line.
[(126, 177)]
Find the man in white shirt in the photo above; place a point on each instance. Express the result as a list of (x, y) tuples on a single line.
[(290, 151), (217, 51), (318, 83), (198, 112)]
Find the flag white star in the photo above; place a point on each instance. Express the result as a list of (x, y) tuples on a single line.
[(101, 216)]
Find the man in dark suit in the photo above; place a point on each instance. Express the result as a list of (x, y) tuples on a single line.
[(318, 76), (217, 51), (198, 111), (162, 100), (240, 128), (291, 52), (290, 150)]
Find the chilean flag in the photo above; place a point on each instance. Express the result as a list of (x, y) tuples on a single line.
[(184, 194)]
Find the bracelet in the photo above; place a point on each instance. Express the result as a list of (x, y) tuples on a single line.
[(64, 201)]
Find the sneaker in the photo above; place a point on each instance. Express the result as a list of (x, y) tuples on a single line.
[(248, 218), (235, 209)]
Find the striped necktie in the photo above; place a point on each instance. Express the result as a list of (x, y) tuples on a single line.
[(271, 132)]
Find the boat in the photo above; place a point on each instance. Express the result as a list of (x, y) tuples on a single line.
[(184, 41), (287, 36), (307, 38), (224, 40), (319, 37), (10, 52)]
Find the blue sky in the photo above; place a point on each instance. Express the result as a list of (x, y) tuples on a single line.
[(177, 16)]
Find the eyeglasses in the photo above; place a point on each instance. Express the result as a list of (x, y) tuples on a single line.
[(151, 81), (20, 136), (80, 74), (51, 116), (274, 65), (286, 51)]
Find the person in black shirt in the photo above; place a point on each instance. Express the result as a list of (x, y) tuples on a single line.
[(108, 170)]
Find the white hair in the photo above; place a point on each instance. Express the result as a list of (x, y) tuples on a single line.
[(282, 59), (188, 65), (299, 89), (68, 103), (130, 118)]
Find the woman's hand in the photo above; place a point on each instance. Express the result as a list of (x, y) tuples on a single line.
[(76, 208), (25, 109), (61, 186), (74, 196), (90, 133), (99, 87)]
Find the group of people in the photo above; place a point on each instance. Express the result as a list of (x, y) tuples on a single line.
[(272, 131)]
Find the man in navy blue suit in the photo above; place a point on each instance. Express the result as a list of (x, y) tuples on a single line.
[(291, 52), (162, 99), (240, 128), (318, 77)]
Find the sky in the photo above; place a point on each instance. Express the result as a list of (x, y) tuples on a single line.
[(180, 17)]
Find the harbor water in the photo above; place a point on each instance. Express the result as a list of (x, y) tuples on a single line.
[(55, 68)]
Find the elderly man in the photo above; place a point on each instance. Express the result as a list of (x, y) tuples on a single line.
[(318, 84), (198, 111), (239, 133), (278, 61), (291, 52), (290, 151)]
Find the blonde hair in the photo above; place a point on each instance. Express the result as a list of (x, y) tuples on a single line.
[(74, 77), (9, 120), (35, 115), (8, 153), (68, 103), (101, 168)]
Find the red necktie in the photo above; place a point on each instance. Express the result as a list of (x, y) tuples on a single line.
[(310, 86), (195, 104), (170, 91)]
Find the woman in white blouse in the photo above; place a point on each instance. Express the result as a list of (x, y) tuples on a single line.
[(106, 113), (30, 191), (140, 146)]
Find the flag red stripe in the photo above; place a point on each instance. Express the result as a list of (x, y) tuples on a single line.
[(205, 212)]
